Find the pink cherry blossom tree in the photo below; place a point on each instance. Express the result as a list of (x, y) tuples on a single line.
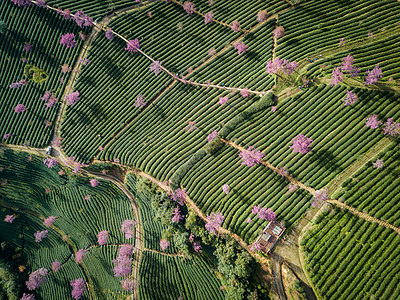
[(78, 288), (240, 47), (26, 296), (320, 198), (36, 279), (235, 26), (378, 164), (55, 265), (262, 16), (40, 235), (214, 221), (68, 39), (102, 237), (51, 162), (156, 67), (289, 67), (372, 76), (20, 108), (164, 244), (132, 46), (212, 136), (373, 122), (273, 66), (9, 218), (251, 156), (279, 32), (176, 215), (128, 284), (127, 228), (211, 52), (80, 255), (208, 17), (71, 98), (179, 196), (109, 34), (139, 102), (301, 144), (351, 98), (225, 189), (94, 182), (49, 221), (18, 84), (347, 63), (188, 7), (191, 126), (223, 100), (391, 128), (337, 76)]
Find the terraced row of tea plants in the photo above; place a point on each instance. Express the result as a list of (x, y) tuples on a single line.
[(349, 258)]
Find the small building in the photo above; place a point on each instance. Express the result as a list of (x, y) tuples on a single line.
[(270, 235)]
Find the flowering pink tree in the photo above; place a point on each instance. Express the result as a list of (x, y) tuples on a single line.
[(214, 221), (55, 265), (18, 84), (223, 100), (240, 47), (273, 108), (211, 51), (188, 7), (337, 76), (20, 108), (49, 221), (262, 16), (179, 195), (190, 127), (51, 162), (301, 144), (378, 164), (72, 163), (65, 13), (255, 247), (127, 228), (176, 215), (283, 171), (347, 63), (78, 288), (28, 47), (40, 235), (251, 156), (292, 187), (139, 102), (123, 263), (132, 46), (9, 218), (36, 279), (164, 244), (208, 17), (155, 67), (212, 136), (68, 40), (391, 128), (26, 296), (351, 98), (373, 75), (373, 122), (342, 41), (128, 284), (289, 67), (245, 93), (197, 247), (279, 32), (80, 255), (273, 66), (225, 189), (102, 237), (263, 213), (235, 26), (109, 34), (24, 3), (50, 100), (320, 198), (94, 182), (71, 98)]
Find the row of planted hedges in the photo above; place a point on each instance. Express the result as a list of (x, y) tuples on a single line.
[(376, 191), (349, 258), (32, 192), (339, 133), (43, 29), (319, 25), (170, 277)]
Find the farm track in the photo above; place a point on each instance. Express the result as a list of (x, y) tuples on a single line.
[(312, 191)]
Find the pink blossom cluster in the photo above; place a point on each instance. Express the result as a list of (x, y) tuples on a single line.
[(94, 182), (223, 100), (19, 108), (176, 215), (71, 98), (123, 263), (320, 197), (240, 47), (9, 218), (373, 122), (164, 244), (128, 284), (179, 195), (80, 255), (26, 296), (36, 279), (77, 166), (127, 228), (255, 247), (378, 164), (49, 221), (68, 39), (286, 66), (262, 16), (225, 189), (251, 156), (245, 93), (50, 99), (301, 144), (78, 288), (351, 98), (211, 51), (235, 26), (264, 213), (283, 171), (188, 7), (391, 128), (132, 46), (190, 127), (51, 162), (65, 13), (24, 3), (212, 136), (372, 76), (214, 221), (18, 84), (279, 32), (337, 76), (155, 67), (109, 34), (102, 237), (55, 265), (139, 102), (82, 19), (208, 17)]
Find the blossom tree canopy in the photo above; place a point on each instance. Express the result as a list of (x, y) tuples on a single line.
[(211, 51), (50, 100), (127, 228), (373, 122), (128, 284), (245, 93), (262, 16), (301, 144), (197, 247), (373, 75), (190, 127), (179, 196), (351, 98), (26, 296), (208, 17), (36, 279), (51, 162), (18, 84), (289, 67), (347, 64), (342, 41), (240, 47), (24, 3), (9, 218), (225, 189), (80, 255), (164, 244), (337, 76), (55, 265), (378, 164), (78, 288), (188, 7), (155, 67), (132, 46), (41, 3), (49, 221), (102, 237), (139, 102), (40, 235), (109, 34), (94, 182), (71, 98), (273, 66), (212, 136), (251, 156), (320, 197), (65, 68), (215, 220), (391, 128), (65, 13), (235, 26), (124, 261), (20, 108), (279, 32), (28, 47), (68, 40), (223, 100), (176, 215)]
